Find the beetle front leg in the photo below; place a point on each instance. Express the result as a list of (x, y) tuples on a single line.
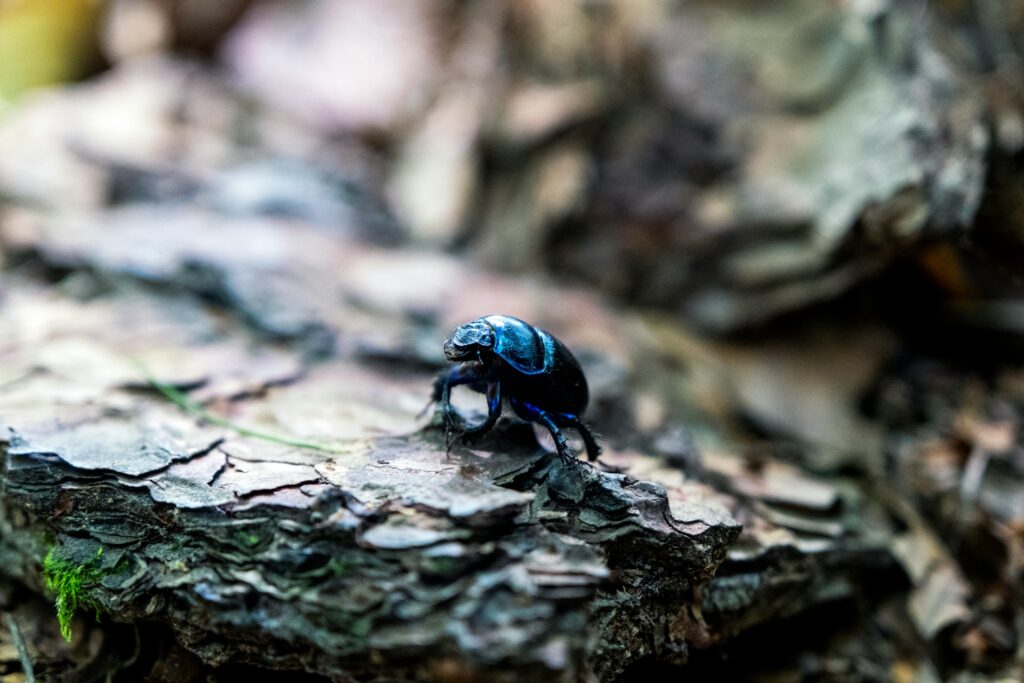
[(493, 413), (465, 373)]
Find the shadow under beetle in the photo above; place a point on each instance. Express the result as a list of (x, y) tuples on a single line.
[(510, 360)]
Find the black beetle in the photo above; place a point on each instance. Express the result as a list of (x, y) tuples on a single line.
[(510, 360)]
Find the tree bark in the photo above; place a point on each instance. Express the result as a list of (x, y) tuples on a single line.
[(322, 527)]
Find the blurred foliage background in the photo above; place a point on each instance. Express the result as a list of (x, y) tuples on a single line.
[(45, 43), (732, 162), (729, 161)]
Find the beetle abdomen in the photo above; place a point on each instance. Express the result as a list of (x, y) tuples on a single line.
[(561, 388)]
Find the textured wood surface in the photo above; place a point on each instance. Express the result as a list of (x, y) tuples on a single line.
[(334, 533)]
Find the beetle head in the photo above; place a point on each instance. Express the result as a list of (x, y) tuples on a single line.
[(468, 339)]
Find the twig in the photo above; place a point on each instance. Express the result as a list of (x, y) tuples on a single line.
[(188, 405), (19, 644)]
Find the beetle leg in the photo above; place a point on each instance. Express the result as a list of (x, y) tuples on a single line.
[(534, 414), (442, 395), (493, 413), (454, 378), (465, 373), (460, 374), (593, 449), (560, 443)]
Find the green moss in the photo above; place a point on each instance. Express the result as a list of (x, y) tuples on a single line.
[(71, 583), (247, 539), (361, 627)]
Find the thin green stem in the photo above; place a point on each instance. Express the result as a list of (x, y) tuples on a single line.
[(188, 405)]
